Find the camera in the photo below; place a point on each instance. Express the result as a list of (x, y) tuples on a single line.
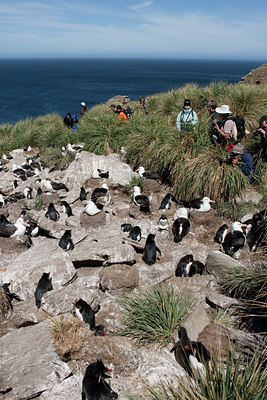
[(263, 135), (230, 158)]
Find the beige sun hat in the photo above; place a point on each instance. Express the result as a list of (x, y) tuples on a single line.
[(224, 109)]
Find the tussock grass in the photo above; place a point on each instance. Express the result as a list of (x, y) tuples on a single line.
[(186, 160), (208, 174), (53, 157), (234, 211), (231, 381), (101, 131), (67, 335), (152, 316), (222, 317), (135, 181), (249, 284)]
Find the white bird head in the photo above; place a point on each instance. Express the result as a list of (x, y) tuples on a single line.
[(207, 200), (136, 190), (237, 226), (141, 171)]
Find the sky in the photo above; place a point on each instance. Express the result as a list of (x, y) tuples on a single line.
[(194, 29)]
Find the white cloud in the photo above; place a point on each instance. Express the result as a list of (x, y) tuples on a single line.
[(88, 29), (137, 7)]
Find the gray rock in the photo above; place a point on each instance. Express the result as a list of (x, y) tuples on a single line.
[(69, 389), (29, 363), (104, 252), (219, 300), (197, 320), (119, 277), (27, 269), (220, 264), (81, 169), (249, 196)]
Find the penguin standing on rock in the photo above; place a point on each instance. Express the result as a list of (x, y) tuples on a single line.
[(184, 265), (126, 227), (192, 356), (163, 223), (220, 234), (166, 202), (65, 242), (94, 386), (86, 314), (27, 193), (181, 225), (135, 233), (150, 251), (234, 240), (66, 208), (196, 267), (44, 285), (52, 213), (83, 194)]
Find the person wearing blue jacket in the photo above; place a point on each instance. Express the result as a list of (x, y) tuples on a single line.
[(187, 118), (240, 157)]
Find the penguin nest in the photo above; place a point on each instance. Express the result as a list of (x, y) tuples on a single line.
[(4, 304), (68, 335)]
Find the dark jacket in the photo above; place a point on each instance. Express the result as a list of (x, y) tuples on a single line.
[(247, 165)]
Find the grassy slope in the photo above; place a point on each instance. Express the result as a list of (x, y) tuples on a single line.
[(192, 164)]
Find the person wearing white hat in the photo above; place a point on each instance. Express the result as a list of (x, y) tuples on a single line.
[(84, 108), (225, 126)]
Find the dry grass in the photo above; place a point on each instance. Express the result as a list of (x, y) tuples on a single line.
[(67, 335)]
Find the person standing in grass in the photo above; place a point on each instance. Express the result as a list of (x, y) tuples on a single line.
[(187, 118), (121, 115), (84, 108), (225, 127), (143, 104), (213, 118), (262, 132)]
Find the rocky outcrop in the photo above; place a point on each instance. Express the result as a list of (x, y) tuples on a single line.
[(104, 265), (256, 76)]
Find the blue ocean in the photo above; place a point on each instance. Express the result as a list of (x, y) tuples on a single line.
[(32, 87)]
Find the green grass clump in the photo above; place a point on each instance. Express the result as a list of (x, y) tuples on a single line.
[(152, 317), (101, 131), (246, 282), (249, 284), (230, 381), (234, 211), (53, 157), (134, 181)]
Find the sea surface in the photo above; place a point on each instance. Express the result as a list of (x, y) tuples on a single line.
[(32, 87)]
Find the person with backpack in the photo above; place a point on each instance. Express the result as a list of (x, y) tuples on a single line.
[(187, 118), (121, 115), (226, 127), (128, 111)]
